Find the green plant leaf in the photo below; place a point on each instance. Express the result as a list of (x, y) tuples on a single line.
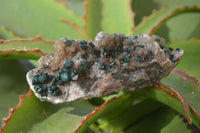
[(59, 118), (136, 111), (28, 112), (104, 16), (187, 86), (25, 48), (174, 99), (170, 30), (151, 5), (35, 17), (80, 115), (190, 61), (66, 119), (12, 83), (190, 21), (110, 108), (78, 29), (150, 24), (6, 34), (163, 120)]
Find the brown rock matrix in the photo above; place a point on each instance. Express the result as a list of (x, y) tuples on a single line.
[(82, 69)]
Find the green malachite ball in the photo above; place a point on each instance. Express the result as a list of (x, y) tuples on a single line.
[(68, 43), (68, 64), (65, 77)]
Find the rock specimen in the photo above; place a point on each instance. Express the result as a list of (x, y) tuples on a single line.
[(82, 69)]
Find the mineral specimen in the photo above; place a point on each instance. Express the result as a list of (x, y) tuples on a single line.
[(82, 69)]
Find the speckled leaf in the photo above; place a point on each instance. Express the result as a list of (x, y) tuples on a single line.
[(104, 16), (187, 86), (164, 120), (35, 17), (150, 24), (5, 33), (172, 98), (25, 48), (12, 83), (190, 61)]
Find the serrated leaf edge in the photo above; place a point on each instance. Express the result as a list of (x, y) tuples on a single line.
[(196, 83), (133, 14), (179, 97), (35, 51), (85, 15), (10, 32), (78, 29), (187, 76), (172, 92), (12, 110), (94, 112), (38, 38), (169, 15), (172, 14), (5, 53)]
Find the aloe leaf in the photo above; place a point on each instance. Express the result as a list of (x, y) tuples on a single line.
[(12, 84), (35, 17), (190, 21), (110, 108), (83, 120), (150, 24), (164, 120), (78, 29), (190, 61), (5, 33), (35, 63), (27, 54), (25, 48), (66, 119), (111, 22), (136, 111), (174, 99), (92, 17), (59, 118), (187, 86), (104, 16), (170, 30), (157, 5), (28, 112)]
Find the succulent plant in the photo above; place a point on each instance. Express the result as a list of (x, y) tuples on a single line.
[(28, 30)]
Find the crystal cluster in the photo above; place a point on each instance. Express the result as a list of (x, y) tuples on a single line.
[(82, 69)]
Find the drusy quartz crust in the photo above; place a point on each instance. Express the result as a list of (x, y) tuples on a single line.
[(81, 69)]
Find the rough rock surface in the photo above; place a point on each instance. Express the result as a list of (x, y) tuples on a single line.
[(82, 69)]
